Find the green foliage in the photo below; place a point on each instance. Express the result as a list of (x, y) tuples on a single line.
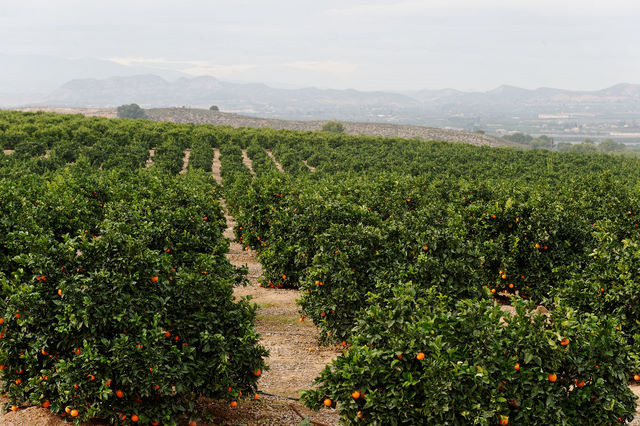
[(131, 111), (116, 279), (214, 108), (415, 360), (333, 127), (169, 157)]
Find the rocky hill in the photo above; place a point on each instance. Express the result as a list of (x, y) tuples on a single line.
[(200, 116)]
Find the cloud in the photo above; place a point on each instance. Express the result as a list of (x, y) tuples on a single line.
[(330, 67), (207, 68), (204, 67), (193, 67)]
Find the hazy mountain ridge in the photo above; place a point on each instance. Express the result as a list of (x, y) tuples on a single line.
[(154, 91), (563, 114)]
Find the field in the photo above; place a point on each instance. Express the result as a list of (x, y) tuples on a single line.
[(440, 283)]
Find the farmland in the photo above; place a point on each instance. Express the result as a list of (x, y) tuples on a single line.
[(118, 297)]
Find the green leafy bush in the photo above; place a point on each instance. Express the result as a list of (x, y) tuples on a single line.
[(414, 360), (123, 303)]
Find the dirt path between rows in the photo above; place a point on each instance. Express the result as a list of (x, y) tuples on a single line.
[(185, 161), (278, 165), (247, 162), (295, 357), (149, 162)]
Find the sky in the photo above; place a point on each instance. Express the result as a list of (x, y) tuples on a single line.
[(366, 45)]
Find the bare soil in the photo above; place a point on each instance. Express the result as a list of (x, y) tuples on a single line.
[(247, 162), (278, 165), (185, 161)]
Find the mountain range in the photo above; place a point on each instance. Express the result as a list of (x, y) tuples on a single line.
[(105, 83)]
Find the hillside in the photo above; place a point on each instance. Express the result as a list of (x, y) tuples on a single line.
[(200, 116)]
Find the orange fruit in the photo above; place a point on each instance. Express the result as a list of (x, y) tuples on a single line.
[(580, 384), (552, 377), (74, 413), (636, 377), (59, 292), (537, 245), (257, 372), (400, 356), (504, 420), (18, 381), (193, 423), (167, 334), (517, 367), (46, 404), (154, 279), (67, 409), (420, 356), (119, 393), (234, 403), (504, 276), (355, 394), (327, 402), (256, 396), (134, 418), (14, 408), (155, 423), (564, 341)]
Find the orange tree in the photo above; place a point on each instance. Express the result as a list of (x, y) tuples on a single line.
[(420, 358), (117, 296)]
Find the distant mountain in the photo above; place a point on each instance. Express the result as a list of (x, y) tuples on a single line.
[(564, 113), (153, 91)]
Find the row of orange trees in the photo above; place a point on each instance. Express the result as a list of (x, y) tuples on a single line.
[(378, 220), (117, 299)]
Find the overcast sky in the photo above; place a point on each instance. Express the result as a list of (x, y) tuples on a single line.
[(367, 45)]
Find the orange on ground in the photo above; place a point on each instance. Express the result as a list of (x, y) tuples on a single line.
[(327, 402)]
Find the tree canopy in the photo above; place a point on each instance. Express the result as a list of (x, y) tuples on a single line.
[(131, 111)]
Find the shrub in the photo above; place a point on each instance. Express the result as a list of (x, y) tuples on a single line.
[(131, 111), (609, 286), (123, 304), (333, 127), (412, 360)]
